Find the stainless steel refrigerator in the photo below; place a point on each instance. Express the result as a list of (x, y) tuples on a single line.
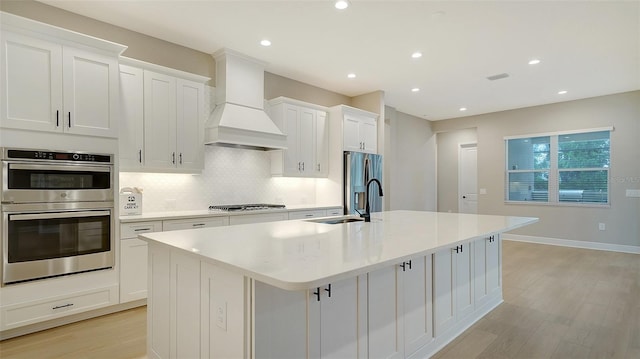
[(359, 168)]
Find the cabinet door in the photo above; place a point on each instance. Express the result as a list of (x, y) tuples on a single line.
[(351, 137), (185, 306), (131, 140), (307, 140), (159, 120), (190, 125), (385, 312), (464, 282), (486, 269), (280, 322), (133, 270), (31, 80), (321, 168), (337, 334), (444, 314), (291, 159), (368, 131), (90, 85), (417, 306)]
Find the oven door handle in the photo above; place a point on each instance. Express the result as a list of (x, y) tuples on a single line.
[(55, 215), (71, 168)]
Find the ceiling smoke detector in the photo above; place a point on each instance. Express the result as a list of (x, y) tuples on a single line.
[(498, 77)]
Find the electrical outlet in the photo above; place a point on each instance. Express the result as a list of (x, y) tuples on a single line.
[(602, 226), (221, 315), (633, 193), (483, 191)]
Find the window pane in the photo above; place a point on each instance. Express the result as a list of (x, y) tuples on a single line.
[(528, 153), (583, 186), (529, 186), (584, 150)]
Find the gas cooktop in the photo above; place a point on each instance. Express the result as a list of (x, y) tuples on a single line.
[(245, 207)]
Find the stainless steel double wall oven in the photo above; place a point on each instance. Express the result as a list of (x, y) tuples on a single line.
[(57, 213)]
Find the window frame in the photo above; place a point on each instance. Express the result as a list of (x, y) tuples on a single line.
[(553, 190)]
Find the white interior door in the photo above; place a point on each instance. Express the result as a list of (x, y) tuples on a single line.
[(468, 179)]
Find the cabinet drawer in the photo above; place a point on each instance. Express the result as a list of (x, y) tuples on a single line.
[(335, 212), (194, 223), (307, 214), (258, 218), (18, 315), (131, 230)]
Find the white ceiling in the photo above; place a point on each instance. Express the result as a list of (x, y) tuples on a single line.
[(586, 48)]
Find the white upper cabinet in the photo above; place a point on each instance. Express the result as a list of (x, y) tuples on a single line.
[(306, 127), (163, 114), (54, 84), (359, 129)]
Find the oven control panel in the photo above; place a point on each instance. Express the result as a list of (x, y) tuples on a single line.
[(56, 156)]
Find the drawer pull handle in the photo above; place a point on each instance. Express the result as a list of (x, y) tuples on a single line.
[(62, 306), (142, 229), (197, 224)]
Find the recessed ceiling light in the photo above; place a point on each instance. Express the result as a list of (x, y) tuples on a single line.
[(415, 89), (341, 4), (416, 55), (351, 76), (562, 92), (265, 42), (463, 108), (534, 62)]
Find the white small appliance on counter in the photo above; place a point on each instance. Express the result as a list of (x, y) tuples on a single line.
[(130, 201)]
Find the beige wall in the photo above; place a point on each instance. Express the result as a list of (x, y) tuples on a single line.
[(410, 162), (276, 86), (575, 223)]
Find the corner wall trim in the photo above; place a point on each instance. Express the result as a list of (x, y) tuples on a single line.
[(573, 243)]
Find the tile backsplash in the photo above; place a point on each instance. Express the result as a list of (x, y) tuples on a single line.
[(230, 175)]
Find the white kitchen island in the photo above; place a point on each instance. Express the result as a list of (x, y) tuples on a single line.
[(401, 286)]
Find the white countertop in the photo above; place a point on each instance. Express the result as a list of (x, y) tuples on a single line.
[(300, 255), (159, 216)]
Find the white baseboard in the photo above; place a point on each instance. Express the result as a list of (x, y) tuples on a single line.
[(573, 243)]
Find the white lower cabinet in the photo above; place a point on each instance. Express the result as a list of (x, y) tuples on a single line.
[(133, 259), (319, 323), (453, 286), (409, 310), (400, 321)]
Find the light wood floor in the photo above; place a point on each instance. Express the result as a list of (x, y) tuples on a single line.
[(559, 303)]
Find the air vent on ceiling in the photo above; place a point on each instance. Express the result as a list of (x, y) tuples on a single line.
[(498, 77)]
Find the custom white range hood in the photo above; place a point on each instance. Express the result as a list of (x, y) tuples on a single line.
[(239, 119)]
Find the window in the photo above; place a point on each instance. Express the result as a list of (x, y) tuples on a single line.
[(559, 168)]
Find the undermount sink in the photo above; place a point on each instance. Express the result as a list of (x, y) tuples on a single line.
[(337, 220)]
